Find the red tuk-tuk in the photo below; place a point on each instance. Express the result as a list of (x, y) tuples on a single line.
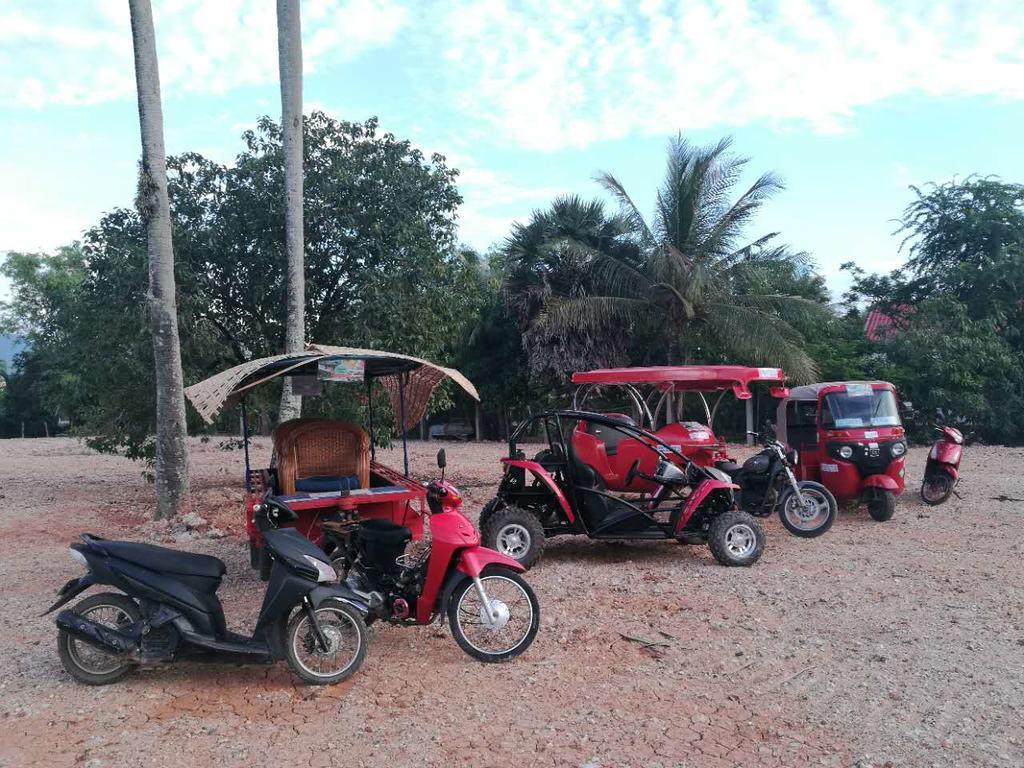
[(850, 439), (325, 468)]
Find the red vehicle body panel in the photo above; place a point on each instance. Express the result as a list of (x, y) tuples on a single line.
[(402, 505), (474, 559), (946, 452), (545, 477), (884, 482), (695, 499)]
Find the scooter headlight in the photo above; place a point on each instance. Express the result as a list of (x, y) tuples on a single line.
[(846, 452), (898, 449), (325, 572)]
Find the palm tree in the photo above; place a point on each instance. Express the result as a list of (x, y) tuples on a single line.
[(154, 207), (289, 45), (686, 277)]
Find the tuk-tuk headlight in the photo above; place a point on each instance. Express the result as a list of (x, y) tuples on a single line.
[(898, 449), (846, 452)]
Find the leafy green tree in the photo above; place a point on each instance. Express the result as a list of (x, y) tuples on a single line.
[(382, 268), (958, 370), (689, 280)]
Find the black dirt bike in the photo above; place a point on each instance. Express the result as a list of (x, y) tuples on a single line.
[(169, 609), (766, 480)]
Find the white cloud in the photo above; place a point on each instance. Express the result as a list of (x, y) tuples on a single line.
[(547, 76), (203, 46)]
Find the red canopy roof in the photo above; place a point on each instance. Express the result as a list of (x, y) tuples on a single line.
[(695, 378)]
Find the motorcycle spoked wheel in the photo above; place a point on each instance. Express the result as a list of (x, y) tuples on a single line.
[(515, 616), (347, 639), (86, 663), (816, 515), (936, 488)]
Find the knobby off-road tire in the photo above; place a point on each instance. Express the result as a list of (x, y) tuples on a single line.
[(882, 505), (343, 625), (736, 539), (516, 533), (100, 608), (489, 509), (487, 645)]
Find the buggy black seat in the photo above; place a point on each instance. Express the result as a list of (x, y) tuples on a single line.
[(602, 513)]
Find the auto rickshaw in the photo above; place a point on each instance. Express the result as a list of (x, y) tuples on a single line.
[(850, 439)]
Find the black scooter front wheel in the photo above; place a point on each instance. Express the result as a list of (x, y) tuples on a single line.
[(936, 488), (346, 639), (814, 516)]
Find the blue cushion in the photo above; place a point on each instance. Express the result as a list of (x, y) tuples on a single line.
[(321, 484)]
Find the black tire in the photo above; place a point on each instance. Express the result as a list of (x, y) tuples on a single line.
[(266, 563), (298, 634), (736, 539), (516, 533), (791, 518), (489, 509), (942, 484), (69, 649), (455, 605), (882, 505)]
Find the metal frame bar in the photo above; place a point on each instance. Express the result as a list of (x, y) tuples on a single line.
[(245, 443), (369, 407), (401, 418)]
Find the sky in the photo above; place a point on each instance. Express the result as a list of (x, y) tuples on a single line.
[(849, 102)]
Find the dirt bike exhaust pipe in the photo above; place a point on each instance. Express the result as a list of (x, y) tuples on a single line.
[(96, 635)]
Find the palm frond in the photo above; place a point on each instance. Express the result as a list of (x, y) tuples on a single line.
[(753, 336), (589, 313), (614, 274), (630, 213)]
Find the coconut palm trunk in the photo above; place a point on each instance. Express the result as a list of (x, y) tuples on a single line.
[(289, 45), (154, 207)]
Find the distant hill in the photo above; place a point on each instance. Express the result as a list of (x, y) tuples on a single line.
[(9, 347)]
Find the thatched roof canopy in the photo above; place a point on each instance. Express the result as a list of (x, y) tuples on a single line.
[(211, 396)]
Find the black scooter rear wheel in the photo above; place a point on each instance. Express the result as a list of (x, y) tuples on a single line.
[(86, 663)]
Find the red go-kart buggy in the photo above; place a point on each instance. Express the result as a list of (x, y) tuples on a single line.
[(557, 492)]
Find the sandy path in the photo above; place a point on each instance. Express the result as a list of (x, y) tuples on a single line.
[(899, 642)]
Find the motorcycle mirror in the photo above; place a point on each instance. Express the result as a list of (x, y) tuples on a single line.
[(442, 459)]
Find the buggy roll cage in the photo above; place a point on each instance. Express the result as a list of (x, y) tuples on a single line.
[(556, 416), (596, 418)]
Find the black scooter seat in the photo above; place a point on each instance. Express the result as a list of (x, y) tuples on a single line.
[(166, 560)]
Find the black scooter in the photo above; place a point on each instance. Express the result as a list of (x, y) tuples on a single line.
[(170, 609), (766, 480)]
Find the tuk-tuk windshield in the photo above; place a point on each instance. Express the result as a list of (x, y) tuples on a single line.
[(860, 406)]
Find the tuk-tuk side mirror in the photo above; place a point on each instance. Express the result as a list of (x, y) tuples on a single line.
[(442, 459), (778, 392)]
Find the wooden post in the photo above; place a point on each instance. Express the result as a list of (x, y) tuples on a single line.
[(476, 429)]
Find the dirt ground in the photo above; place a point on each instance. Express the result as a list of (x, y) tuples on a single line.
[(898, 643)]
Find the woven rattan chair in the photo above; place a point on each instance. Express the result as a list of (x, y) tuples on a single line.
[(320, 448)]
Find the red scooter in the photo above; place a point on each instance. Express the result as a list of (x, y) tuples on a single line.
[(492, 611), (942, 472)]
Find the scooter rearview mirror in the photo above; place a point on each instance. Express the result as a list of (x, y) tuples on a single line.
[(442, 459)]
